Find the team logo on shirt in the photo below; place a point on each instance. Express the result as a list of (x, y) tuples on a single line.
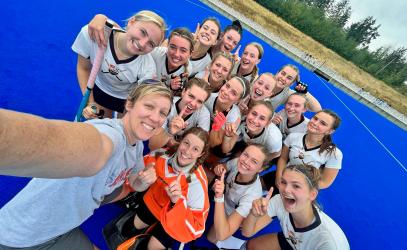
[(113, 70), (291, 237)]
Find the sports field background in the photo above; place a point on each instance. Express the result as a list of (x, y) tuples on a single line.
[(38, 75)]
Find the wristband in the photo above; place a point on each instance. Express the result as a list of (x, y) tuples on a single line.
[(220, 199)]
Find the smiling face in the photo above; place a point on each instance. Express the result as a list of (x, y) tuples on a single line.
[(250, 58), (219, 69), (251, 161), (258, 118), (189, 150), (320, 124), (193, 98), (295, 106), (286, 77), (295, 191), (229, 40), (263, 87), (179, 51), (145, 116), (142, 37), (231, 92), (208, 33)]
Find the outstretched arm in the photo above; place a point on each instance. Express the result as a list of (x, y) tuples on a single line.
[(36, 147)]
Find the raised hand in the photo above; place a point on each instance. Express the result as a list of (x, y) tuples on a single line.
[(96, 29), (219, 185), (219, 169), (231, 128), (143, 179), (277, 119), (243, 105), (177, 123), (198, 27), (301, 87), (218, 121), (236, 54), (259, 206), (174, 189)]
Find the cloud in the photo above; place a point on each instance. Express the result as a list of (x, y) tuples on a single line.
[(390, 14)]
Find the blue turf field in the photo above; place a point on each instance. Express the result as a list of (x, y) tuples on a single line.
[(38, 72)]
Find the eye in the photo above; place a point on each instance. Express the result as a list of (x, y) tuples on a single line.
[(296, 186), (149, 106), (283, 181), (143, 32), (184, 51), (172, 46)]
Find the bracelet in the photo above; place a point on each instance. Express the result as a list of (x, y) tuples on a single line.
[(220, 199)]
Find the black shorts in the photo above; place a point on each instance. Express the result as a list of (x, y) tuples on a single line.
[(282, 241), (158, 231), (108, 101)]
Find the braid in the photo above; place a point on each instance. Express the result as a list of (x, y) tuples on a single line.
[(327, 145), (254, 73)]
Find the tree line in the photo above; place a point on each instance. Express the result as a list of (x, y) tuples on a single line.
[(326, 21)]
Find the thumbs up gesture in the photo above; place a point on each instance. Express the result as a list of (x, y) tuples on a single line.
[(174, 189)]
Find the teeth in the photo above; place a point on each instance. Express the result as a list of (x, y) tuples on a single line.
[(148, 127)]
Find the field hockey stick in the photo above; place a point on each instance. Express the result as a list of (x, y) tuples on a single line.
[(93, 73)]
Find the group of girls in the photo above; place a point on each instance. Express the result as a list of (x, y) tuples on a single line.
[(223, 108)]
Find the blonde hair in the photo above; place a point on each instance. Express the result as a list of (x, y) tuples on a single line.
[(149, 88), (149, 16), (295, 68), (267, 104), (228, 56), (261, 52)]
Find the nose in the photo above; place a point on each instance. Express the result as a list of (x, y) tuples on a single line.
[(156, 116), (142, 42)]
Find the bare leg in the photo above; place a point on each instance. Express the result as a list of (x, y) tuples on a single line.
[(267, 241)]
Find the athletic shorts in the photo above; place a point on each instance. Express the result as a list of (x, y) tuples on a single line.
[(158, 231), (72, 240), (108, 101)]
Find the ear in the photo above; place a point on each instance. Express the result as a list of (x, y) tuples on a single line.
[(258, 61), (331, 131), (128, 105), (313, 194)]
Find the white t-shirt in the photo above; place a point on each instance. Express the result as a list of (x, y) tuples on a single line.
[(300, 127), (280, 98), (231, 116), (270, 137), (160, 58), (322, 234), (199, 64), (239, 196), (116, 77), (248, 77), (296, 144), (199, 118)]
